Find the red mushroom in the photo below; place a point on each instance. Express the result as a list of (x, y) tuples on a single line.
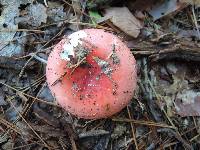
[(92, 74)]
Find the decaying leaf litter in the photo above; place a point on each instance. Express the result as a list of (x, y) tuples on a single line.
[(164, 113)]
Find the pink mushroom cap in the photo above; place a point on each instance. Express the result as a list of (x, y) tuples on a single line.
[(92, 74)]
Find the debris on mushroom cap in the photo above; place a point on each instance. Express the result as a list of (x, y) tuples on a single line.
[(104, 65), (92, 74), (68, 47)]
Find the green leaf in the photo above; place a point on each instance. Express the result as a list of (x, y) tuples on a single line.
[(94, 16)]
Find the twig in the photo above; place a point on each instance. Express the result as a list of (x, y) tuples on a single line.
[(158, 98), (177, 136), (77, 9), (20, 30), (93, 133), (23, 146), (28, 124), (70, 131), (36, 82), (76, 65), (176, 132), (22, 70), (195, 22), (195, 137), (46, 117), (39, 100), (142, 122), (65, 73), (148, 92), (133, 130), (81, 23), (15, 38), (11, 63), (30, 54), (173, 143), (178, 49), (39, 58), (45, 3), (30, 104), (59, 79), (76, 4), (9, 125)]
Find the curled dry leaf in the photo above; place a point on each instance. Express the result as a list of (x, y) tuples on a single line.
[(124, 19)]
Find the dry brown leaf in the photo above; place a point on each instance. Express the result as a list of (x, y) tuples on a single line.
[(124, 19)]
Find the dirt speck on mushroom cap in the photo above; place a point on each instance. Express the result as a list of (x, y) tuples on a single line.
[(86, 90)]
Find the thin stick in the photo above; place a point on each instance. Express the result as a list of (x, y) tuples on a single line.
[(77, 9), (28, 124), (22, 71), (76, 65), (45, 3), (9, 125), (195, 22), (195, 137), (39, 100), (21, 30), (142, 122), (77, 17), (39, 59), (133, 130)]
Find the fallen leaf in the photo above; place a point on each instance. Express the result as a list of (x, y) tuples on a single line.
[(11, 114), (163, 9), (124, 19), (46, 95), (94, 16), (13, 48), (188, 103), (36, 15), (8, 29), (55, 12)]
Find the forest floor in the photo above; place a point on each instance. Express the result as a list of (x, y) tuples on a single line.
[(163, 36)]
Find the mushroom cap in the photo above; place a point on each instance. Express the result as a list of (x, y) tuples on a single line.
[(101, 86)]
